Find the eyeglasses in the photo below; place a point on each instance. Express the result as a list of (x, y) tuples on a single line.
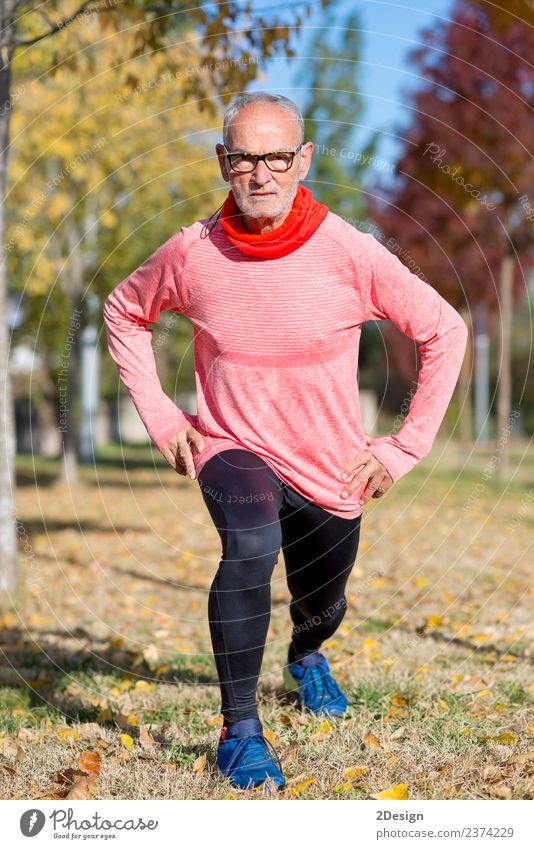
[(242, 162)]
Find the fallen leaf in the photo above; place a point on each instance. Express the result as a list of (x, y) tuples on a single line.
[(90, 762), (127, 742), (215, 720), (8, 770), (502, 791), (371, 741), (168, 766), (290, 754), (68, 775), (146, 739), (483, 693), (300, 788), (517, 759), (200, 764), (68, 734), (127, 719), (145, 686), (400, 732), (356, 771), (398, 791), (83, 788), (507, 738)]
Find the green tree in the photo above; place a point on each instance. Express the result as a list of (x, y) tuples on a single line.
[(224, 36)]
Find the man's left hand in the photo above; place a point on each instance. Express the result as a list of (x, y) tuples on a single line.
[(369, 470)]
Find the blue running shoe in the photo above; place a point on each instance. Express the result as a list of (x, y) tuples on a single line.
[(246, 757), (316, 690)]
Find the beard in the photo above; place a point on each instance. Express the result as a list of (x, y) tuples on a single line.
[(249, 207)]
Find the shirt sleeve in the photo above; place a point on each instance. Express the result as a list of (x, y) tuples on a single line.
[(132, 305), (392, 291)]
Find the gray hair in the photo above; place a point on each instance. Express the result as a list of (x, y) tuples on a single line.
[(262, 97)]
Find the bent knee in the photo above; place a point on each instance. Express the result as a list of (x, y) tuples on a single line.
[(254, 545)]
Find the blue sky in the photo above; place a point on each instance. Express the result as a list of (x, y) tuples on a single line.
[(390, 28)]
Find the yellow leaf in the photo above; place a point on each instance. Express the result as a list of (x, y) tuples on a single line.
[(434, 621), (482, 694), (399, 791), (530, 688), (145, 686), (421, 582), (68, 734), (300, 788), (507, 738), (421, 671), (127, 742), (443, 704), (355, 771), (271, 737), (127, 719), (216, 720), (398, 700)]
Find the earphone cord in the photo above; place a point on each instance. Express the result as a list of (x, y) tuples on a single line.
[(207, 230)]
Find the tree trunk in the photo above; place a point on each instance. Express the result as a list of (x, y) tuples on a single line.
[(464, 387), (72, 283), (481, 372), (504, 402), (8, 536)]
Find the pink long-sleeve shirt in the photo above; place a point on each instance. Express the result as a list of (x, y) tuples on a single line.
[(276, 351)]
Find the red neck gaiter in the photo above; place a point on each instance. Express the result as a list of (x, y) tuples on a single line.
[(302, 221)]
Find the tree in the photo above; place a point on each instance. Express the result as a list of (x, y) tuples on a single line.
[(333, 112), (457, 206), (95, 182), (226, 36)]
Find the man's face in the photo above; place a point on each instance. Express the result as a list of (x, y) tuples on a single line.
[(262, 128)]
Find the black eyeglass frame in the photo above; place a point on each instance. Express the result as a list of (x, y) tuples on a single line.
[(261, 157)]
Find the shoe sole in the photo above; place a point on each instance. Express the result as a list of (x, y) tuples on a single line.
[(293, 687)]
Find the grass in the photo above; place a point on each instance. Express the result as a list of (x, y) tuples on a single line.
[(106, 646)]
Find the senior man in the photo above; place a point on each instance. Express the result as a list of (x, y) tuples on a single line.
[(277, 287)]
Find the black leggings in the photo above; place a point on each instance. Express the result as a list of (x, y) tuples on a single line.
[(255, 514)]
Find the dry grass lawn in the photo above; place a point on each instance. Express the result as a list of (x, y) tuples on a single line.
[(107, 682)]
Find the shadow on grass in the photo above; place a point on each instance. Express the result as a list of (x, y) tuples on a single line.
[(36, 469), (44, 672)]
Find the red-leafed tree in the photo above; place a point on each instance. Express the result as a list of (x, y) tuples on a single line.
[(461, 205)]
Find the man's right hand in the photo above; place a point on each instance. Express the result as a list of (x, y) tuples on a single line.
[(177, 451)]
